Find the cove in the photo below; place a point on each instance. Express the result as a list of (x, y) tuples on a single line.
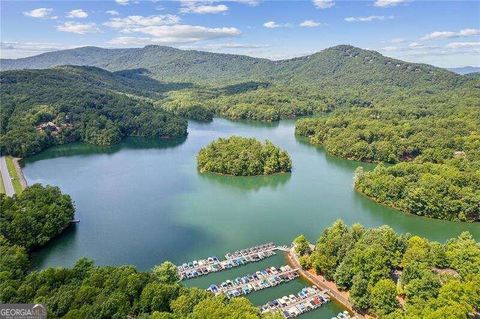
[(142, 202)]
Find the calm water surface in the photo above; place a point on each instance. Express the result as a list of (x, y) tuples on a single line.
[(143, 201)]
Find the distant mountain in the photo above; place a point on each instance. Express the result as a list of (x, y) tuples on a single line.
[(341, 64), (465, 70), (164, 63)]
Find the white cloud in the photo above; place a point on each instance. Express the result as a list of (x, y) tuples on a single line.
[(188, 33), (446, 55), (462, 45), (388, 3), (274, 25), (451, 34), (369, 18), (77, 13), (323, 4), (172, 34), (40, 13), (397, 40), (14, 50), (390, 48), (202, 7), (310, 24), (416, 45), (164, 29), (247, 2), (112, 12), (78, 28), (410, 47), (131, 22), (224, 46), (138, 41), (122, 2), (236, 46)]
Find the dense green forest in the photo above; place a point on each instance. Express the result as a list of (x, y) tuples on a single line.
[(446, 191), (368, 107), (436, 136), (398, 276), (240, 87), (35, 216), (333, 66), (242, 156), (337, 78), (40, 213), (41, 108)]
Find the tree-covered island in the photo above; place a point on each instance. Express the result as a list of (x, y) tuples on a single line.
[(240, 156)]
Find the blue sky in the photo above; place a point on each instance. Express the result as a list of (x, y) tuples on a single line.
[(443, 33)]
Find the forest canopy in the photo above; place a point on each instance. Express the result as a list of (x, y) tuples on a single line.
[(34, 217), (242, 156), (434, 142), (380, 268), (41, 108), (427, 189)]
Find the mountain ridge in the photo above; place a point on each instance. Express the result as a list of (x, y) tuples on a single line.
[(175, 65), (464, 70)]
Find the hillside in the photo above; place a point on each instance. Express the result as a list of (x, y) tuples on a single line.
[(349, 65), (98, 106), (41, 108), (164, 63), (345, 64)]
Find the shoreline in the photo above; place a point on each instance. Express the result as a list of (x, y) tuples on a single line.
[(18, 168), (318, 280), (399, 210)]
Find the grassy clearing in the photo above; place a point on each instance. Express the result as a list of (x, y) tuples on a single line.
[(17, 186)]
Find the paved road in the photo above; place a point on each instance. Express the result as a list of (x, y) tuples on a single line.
[(295, 262), (7, 181)]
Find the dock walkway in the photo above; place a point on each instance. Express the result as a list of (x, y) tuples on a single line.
[(259, 280), (213, 264), (308, 299)]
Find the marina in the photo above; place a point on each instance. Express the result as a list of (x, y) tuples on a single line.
[(214, 264), (291, 306), (270, 277)]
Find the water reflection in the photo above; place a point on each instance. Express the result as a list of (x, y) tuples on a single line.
[(79, 148), (247, 183)]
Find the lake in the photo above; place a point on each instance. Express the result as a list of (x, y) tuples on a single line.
[(142, 202)]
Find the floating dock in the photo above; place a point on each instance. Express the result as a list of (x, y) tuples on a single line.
[(259, 280), (308, 299), (343, 315), (202, 267)]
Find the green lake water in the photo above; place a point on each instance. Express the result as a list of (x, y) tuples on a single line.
[(142, 202)]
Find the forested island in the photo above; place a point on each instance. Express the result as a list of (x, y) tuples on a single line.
[(397, 276), (242, 156)]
